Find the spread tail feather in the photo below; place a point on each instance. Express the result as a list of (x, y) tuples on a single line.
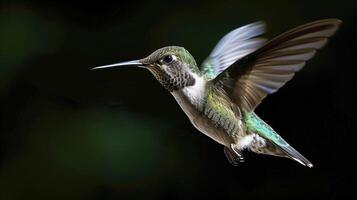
[(295, 155), (273, 143), (269, 148)]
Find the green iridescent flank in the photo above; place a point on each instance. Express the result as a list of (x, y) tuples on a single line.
[(258, 126), (218, 109), (218, 106)]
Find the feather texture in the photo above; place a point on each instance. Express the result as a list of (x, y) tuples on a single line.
[(233, 46), (267, 69), (275, 144)]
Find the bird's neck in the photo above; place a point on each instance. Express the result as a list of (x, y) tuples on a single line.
[(192, 95), (175, 82)]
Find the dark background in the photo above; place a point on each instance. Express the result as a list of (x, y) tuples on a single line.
[(70, 133)]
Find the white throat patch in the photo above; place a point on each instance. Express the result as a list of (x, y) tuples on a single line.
[(196, 92)]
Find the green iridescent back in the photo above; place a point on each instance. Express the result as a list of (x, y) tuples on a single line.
[(257, 125)]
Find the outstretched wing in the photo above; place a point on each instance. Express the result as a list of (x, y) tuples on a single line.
[(267, 69), (233, 46)]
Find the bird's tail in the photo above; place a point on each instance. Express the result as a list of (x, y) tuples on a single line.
[(284, 151), (274, 143)]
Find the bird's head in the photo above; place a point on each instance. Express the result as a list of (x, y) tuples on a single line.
[(174, 67)]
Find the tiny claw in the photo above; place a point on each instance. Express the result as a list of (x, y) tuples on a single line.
[(233, 157)]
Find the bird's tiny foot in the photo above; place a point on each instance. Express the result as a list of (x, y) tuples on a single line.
[(233, 157)]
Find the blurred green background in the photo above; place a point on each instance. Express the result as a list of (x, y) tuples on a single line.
[(70, 133)]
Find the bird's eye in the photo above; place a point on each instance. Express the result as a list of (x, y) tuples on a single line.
[(167, 59)]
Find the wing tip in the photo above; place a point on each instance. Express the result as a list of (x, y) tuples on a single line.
[(335, 21), (260, 23), (331, 21)]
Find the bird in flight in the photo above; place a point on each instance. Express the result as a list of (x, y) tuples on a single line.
[(220, 96)]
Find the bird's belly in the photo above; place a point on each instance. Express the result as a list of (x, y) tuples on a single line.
[(203, 123)]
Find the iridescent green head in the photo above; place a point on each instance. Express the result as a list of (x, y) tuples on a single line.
[(174, 67)]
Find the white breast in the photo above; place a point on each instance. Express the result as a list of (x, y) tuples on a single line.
[(191, 100), (196, 92)]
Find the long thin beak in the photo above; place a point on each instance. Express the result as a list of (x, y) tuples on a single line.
[(136, 63)]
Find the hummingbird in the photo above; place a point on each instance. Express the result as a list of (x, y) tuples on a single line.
[(220, 96)]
